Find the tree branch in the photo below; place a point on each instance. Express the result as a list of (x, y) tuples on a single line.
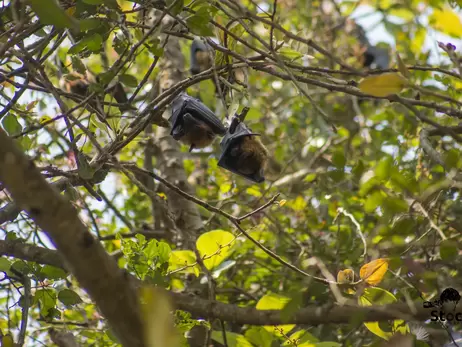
[(107, 284), (310, 315)]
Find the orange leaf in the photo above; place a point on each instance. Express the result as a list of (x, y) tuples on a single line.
[(374, 271), (345, 276)]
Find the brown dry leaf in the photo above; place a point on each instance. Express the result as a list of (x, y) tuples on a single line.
[(374, 271), (31, 105), (383, 85)]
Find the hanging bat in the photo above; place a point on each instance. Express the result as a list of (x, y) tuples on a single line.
[(243, 153), (193, 123), (76, 83), (372, 56), (201, 58)]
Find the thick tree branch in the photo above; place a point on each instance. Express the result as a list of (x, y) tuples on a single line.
[(25, 251), (108, 285), (310, 315)]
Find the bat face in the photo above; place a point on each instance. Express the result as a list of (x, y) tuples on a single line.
[(194, 123), (244, 154)]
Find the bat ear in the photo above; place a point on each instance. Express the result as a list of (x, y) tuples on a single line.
[(229, 159)]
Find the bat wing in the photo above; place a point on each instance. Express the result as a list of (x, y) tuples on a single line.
[(202, 112), (184, 104)]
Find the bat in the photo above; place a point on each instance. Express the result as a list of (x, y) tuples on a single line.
[(243, 153), (193, 123), (201, 58)]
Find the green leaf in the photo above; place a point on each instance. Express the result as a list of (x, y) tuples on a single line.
[(69, 297), (273, 301), (448, 250), (52, 272), (93, 2), (338, 159), (181, 259), (46, 298), (11, 125), (303, 337), (50, 13), (159, 250), (378, 296), (85, 170), (77, 65), (217, 243), (373, 200), (95, 42), (383, 169), (20, 266), (232, 339), (259, 336), (25, 142), (290, 53), (200, 25), (128, 80), (78, 47), (89, 24), (155, 47), (452, 158), (177, 7), (5, 264)]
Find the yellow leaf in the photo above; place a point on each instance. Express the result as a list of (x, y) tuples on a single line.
[(345, 276), (156, 313), (216, 246), (183, 261), (7, 341), (282, 202), (418, 41), (401, 67), (374, 271), (225, 188), (378, 296), (447, 22), (273, 301), (299, 204), (162, 195), (383, 85), (44, 119)]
